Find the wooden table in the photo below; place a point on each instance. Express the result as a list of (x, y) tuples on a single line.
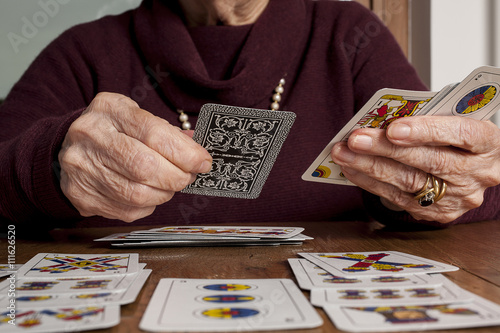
[(474, 248)]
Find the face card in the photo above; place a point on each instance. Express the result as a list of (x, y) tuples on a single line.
[(447, 292), (207, 305), (375, 263), (53, 320), (310, 276), (231, 231), (475, 97), (244, 144), (384, 107), (477, 313), (54, 265)]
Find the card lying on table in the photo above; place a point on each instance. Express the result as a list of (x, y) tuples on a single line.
[(206, 305), (390, 296), (73, 292), (375, 263), (57, 319), (244, 144), (476, 97), (477, 313), (45, 265), (8, 269), (310, 276)]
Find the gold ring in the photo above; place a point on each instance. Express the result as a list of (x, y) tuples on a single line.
[(429, 195)]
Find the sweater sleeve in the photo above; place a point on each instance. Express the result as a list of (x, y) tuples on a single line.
[(377, 62), (34, 120)]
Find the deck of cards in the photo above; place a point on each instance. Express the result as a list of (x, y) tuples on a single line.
[(389, 291), (171, 236), (56, 292), (476, 97)]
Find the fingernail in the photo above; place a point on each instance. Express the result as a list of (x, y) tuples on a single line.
[(399, 131), (362, 142), (206, 166), (345, 154)]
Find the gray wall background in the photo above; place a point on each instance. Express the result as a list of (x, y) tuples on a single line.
[(27, 26)]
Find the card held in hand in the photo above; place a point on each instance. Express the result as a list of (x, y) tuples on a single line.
[(244, 144)]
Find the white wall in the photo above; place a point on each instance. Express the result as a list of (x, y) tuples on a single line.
[(450, 38), (464, 35), (27, 26)]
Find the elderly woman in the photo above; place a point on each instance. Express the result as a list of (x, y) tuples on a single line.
[(92, 131)]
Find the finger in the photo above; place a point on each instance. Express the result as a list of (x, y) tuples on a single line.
[(167, 140), (446, 210), (144, 178), (156, 133), (432, 159), (136, 162), (403, 177), (470, 134)]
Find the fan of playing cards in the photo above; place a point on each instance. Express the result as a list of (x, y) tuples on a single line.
[(475, 97), (70, 292), (389, 291), (207, 236)]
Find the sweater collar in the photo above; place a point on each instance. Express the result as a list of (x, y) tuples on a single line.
[(272, 46)]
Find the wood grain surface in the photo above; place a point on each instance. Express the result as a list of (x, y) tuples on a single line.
[(474, 248)]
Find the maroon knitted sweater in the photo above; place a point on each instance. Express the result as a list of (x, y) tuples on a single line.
[(334, 56)]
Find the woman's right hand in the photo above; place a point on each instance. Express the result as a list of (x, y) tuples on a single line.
[(119, 161)]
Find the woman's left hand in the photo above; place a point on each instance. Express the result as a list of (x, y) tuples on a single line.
[(394, 163)]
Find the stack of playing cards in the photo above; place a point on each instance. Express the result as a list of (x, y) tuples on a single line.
[(212, 305), (207, 236), (476, 97), (70, 292), (389, 291)]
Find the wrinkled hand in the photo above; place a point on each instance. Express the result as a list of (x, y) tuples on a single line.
[(119, 161), (394, 163)]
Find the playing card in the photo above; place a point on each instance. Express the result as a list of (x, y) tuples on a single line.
[(228, 305), (53, 320), (244, 144), (70, 285), (359, 264), (52, 265), (477, 313), (182, 243), (353, 296), (227, 231), (384, 107), (158, 236), (61, 285), (475, 97), (8, 269), (80, 298), (310, 276)]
